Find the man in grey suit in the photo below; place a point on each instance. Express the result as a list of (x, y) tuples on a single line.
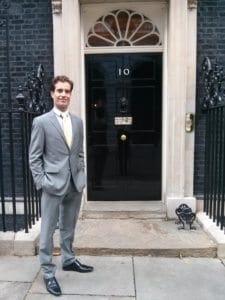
[(57, 165)]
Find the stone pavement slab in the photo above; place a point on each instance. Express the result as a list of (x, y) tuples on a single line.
[(14, 290), (112, 276), (19, 269), (75, 297), (171, 278), (118, 278), (16, 276)]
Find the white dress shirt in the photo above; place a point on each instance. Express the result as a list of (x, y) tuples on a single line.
[(59, 115)]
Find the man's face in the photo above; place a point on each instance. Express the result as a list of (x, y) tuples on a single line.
[(61, 95)]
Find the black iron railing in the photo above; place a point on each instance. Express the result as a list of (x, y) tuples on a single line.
[(214, 106), (20, 202)]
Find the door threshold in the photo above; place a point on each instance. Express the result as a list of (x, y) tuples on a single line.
[(124, 209)]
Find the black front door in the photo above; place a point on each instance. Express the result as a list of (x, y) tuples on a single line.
[(124, 116)]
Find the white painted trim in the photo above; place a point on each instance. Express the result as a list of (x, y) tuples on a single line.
[(93, 2), (9, 206), (105, 50), (190, 99), (179, 46), (164, 112), (214, 232), (83, 107)]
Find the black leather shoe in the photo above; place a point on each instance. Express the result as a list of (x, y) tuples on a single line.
[(52, 286), (78, 267)]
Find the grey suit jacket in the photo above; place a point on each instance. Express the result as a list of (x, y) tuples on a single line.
[(52, 162)]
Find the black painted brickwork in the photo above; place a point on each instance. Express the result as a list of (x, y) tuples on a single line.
[(29, 43), (30, 29), (211, 43), (25, 42)]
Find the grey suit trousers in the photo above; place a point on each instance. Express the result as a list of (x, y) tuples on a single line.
[(64, 209)]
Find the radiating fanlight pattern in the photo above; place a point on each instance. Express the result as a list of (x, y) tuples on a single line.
[(123, 28)]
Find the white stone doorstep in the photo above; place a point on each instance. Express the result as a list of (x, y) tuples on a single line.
[(20, 243), (213, 231)]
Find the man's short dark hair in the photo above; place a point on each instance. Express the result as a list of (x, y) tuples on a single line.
[(61, 78)]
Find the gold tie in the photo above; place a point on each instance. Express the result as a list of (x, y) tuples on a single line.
[(66, 129)]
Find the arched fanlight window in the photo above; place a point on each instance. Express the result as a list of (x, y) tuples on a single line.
[(123, 28)]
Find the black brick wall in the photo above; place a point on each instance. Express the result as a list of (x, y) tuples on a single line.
[(29, 43), (25, 42), (211, 43), (30, 38)]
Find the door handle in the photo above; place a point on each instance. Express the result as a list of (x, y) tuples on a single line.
[(123, 137)]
